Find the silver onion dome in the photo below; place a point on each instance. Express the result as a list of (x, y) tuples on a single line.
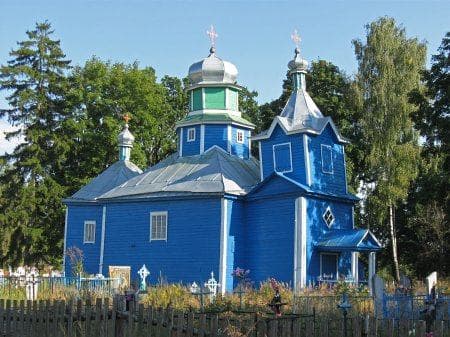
[(298, 64), (126, 138), (212, 70)]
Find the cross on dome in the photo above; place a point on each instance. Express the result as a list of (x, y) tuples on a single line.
[(212, 34), (296, 38)]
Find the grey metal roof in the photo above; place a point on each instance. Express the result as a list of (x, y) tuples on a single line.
[(212, 69), (113, 176), (214, 171), (300, 114)]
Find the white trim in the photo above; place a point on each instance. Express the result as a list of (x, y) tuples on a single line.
[(203, 98), (240, 132), (65, 239), (290, 157), (261, 169), (191, 100), (321, 157), (89, 222), (229, 140), (202, 138), (223, 245), (188, 135), (102, 241), (355, 267), (332, 214), (181, 142), (152, 214), (278, 121), (372, 235), (337, 264), (300, 244), (215, 111), (249, 143), (307, 162)]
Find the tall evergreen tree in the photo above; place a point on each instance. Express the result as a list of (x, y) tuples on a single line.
[(389, 67), (31, 213)]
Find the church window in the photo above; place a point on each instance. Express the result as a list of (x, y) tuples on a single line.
[(282, 157), (191, 135), (158, 226), (89, 231), (328, 217), (327, 159), (240, 136)]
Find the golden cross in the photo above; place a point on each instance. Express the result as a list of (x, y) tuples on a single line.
[(126, 118), (296, 38), (212, 35)]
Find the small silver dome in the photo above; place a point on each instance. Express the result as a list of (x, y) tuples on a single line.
[(126, 138), (298, 64), (212, 70)]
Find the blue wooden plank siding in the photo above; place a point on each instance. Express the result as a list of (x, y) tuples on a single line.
[(343, 213), (334, 182), (192, 248), (240, 149), (77, 215), (296, 145), (191, 148), (269, 237), (235, 240), (216, 134)]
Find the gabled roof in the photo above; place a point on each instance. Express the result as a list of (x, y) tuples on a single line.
[(302, 188), (215, 118), (113, 176), (214, 171), (349, 240), (300, 114)]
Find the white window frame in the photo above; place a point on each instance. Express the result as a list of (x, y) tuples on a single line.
[(152, 214), (331, 159), (85, 236), (337, 265), (332, 214), (240, 133), (274, 160), (189, 138)]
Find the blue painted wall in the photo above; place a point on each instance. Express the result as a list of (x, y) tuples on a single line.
[(77, 214), (235, 242), (216, 134), (193, 147), (316, 227), (328, 182), (240, 149), (269, 234), (298, 162), (193, 239)]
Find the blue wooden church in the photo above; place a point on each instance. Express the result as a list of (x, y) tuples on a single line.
[(211, 206)]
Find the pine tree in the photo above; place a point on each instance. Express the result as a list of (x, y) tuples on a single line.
[(389, 69), (31, 209)]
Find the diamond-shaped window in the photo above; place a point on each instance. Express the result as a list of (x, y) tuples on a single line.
[(328, 217)]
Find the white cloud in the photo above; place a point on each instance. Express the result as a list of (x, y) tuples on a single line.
[(7, 146)]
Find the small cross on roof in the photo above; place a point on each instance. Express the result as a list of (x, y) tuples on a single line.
[(296, 38), (212, 36)]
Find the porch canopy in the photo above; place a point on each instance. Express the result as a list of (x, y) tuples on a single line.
[(354, 240)]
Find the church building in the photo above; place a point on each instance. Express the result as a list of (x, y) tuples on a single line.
[(211, 206)]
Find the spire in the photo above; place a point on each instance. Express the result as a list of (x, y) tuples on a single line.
[(298, 66), (126, 140)]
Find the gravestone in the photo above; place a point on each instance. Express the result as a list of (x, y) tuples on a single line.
[(378, 293), (212, 286), (122, 273), (32, 284), (431, 282), (143, 273), (405, 282)]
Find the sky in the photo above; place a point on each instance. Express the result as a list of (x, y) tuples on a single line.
[(255, 35)]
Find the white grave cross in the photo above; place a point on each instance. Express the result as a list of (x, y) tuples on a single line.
[(194, 288), (143, 273), (212, 286)]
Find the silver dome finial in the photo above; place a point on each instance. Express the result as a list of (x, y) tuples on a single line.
[(298, 64)]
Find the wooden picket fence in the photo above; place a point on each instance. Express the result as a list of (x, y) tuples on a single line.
[(105, 319)]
